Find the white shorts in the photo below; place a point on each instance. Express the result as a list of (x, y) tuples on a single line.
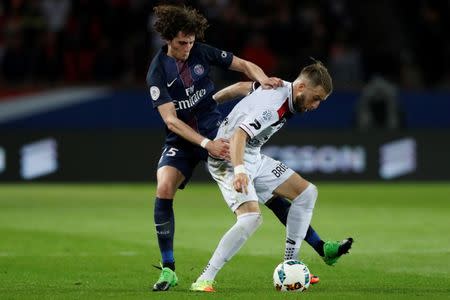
[(266, 174)]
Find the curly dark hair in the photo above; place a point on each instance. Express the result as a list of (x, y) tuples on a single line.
[(171, 19), (318, 74)]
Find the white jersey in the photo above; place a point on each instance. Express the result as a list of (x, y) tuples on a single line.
[(260, 115)]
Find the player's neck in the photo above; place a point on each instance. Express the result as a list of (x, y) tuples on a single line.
[(297, 106)]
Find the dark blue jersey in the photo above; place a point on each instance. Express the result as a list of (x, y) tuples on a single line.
[(188, 86)]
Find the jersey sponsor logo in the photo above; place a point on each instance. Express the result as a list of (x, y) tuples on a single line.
[(199, 70), (169, 84), (190, 90), (279, 169), (154, 92), (193, 99), (255, 124)]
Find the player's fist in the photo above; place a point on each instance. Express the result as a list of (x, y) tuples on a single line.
[(240, 183), (219, 148), (271, 83)]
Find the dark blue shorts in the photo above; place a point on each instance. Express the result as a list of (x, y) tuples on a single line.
[(184, 159)]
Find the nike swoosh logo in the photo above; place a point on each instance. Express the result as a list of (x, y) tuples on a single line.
[(170, 84), (162, 224)]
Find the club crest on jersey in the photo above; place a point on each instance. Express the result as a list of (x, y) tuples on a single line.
[(154, 92), (267, 115), (199, 70)]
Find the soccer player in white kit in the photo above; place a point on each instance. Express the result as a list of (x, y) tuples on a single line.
[(252, 177)]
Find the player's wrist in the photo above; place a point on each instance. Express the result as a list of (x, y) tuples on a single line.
[(204, 142), (239, 169)]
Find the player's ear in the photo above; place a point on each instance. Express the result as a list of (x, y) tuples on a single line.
[(301, 86)]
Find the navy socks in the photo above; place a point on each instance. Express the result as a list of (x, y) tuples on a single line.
[(280, 208), (165, 229), (314, 240)]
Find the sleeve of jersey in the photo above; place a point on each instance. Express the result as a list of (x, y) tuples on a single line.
[(158, 90), (256, 122), (217, 57), (255, 85)]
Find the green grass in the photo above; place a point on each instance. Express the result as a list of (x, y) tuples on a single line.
[(98, 241)]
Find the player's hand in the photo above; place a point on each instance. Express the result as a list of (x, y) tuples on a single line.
[(271, 83), (219, 148), (240, 183)]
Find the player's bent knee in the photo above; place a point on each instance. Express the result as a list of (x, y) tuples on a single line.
[(314, 190), (309, 196), (315, 193), (249, 222), (166, 190)]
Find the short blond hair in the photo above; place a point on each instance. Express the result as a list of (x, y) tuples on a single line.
[(318, 74)]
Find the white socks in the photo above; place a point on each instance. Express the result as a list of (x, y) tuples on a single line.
[(231, 242), (298, 220)]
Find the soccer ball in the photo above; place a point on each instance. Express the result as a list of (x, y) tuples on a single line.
[(291, 276)]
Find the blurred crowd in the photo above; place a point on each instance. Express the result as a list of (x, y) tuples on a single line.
[(112, 41)]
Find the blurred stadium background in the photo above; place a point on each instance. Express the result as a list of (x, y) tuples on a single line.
[(73, 97), (74, 108)]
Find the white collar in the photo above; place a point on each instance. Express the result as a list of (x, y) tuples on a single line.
[(290, 87)]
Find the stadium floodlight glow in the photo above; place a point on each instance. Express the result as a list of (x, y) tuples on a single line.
[(2, 160), (38, 159)]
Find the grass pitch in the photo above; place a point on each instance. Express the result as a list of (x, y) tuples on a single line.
[(98, 241)]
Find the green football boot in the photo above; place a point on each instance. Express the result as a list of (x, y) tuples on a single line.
[(167, 279), (335, 249), (203, 286)]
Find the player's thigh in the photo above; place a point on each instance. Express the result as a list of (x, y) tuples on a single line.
[(168, 180), (292, 187), (222, 172), (248, 207), (270, 174), (175, 169)]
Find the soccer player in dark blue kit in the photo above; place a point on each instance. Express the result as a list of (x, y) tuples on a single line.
[(181, 90)]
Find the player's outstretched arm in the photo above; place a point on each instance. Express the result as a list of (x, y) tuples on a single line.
[(254, 72), (239, 89), (218, 148), (237, 149)]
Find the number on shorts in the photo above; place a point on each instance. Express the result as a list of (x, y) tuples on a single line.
[(171, 152), (168, 152)]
